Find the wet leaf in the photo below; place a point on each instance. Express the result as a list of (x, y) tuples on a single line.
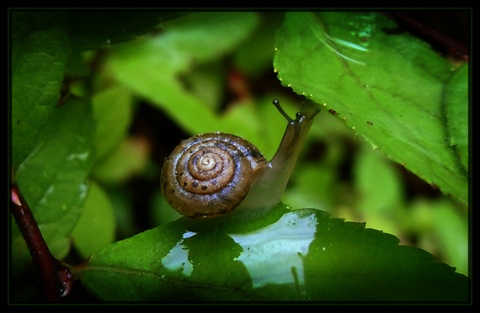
[(386, 85), (286, 255), (53, 176)]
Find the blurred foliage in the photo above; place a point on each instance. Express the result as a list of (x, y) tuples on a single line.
[(99, 101)]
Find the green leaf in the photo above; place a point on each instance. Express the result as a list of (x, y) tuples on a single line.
[(450, 226), (286, 255), (39, 55), (385, 85), (130, 158), (192, 46), (207, 82), (380, 193), (112, 109), (442, 228), (53, 176), (96, 227), (95, 29), (456, 111)]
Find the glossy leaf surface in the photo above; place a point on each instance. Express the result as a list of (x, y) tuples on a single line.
[(386, 85), (286, 255)]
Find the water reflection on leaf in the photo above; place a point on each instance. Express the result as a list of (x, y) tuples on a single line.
[(273, 255)]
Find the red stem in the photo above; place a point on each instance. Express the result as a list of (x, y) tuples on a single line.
[(55, 277)]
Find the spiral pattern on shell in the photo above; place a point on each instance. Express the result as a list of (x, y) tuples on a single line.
[(210, 174)]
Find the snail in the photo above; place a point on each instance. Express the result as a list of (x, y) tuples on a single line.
[(217, 174)]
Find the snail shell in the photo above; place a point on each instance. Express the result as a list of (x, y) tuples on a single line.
[(210, 175)]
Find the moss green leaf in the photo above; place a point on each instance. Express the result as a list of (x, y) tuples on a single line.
[(387, 86), (286, 255), (53, 176), (40, 51)]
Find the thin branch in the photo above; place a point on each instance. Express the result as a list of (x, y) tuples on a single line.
[(56, 277)]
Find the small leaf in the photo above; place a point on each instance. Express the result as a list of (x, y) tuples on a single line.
[(450, 227), (53, 176), (128, 159), (96, 227), (379, 190), (387, 86), (112, 109), (284, 256)]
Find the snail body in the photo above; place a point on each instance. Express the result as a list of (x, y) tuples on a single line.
[(218, 174)]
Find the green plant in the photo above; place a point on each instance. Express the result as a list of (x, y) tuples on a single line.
[(82, 162)]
